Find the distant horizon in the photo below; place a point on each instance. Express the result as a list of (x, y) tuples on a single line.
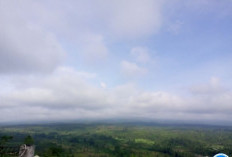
[(119, 122)]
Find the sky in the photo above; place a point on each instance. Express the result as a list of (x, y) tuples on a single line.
[(118, 59)]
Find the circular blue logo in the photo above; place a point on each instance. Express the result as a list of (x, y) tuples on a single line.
[(220, 155)]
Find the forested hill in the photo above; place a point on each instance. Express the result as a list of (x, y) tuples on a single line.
[(121, 140)]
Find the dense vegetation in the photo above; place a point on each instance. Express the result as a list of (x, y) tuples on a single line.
[(120, 140)]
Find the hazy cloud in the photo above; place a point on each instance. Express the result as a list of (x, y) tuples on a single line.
[(103, 85), (130, 69), (32, 31), (71, 94), (213, 87), (25, 47), (140, 54), (175, 27), (135, 18), (94, 48)]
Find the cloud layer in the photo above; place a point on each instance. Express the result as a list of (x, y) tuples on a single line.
[(71, 93), (76, 59), (25, 47)]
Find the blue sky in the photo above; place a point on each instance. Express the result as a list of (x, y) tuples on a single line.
[(152, 59)]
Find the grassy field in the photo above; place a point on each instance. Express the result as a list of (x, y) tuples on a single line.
[(122, 140)]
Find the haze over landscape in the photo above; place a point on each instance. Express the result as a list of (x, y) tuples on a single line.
[(153, 60)]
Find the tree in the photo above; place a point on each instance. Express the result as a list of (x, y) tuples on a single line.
[(28, 140), (4, 139)]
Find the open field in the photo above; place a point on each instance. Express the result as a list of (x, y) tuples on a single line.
[(117, 140)]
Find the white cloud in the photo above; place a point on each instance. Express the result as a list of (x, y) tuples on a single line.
[(25, 47), (126, 18), (103, 85), (130, 69), (36, 29), (140, 54), (93, 48), (134, 18), (213, 87), (64, 88), (68, 94)]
